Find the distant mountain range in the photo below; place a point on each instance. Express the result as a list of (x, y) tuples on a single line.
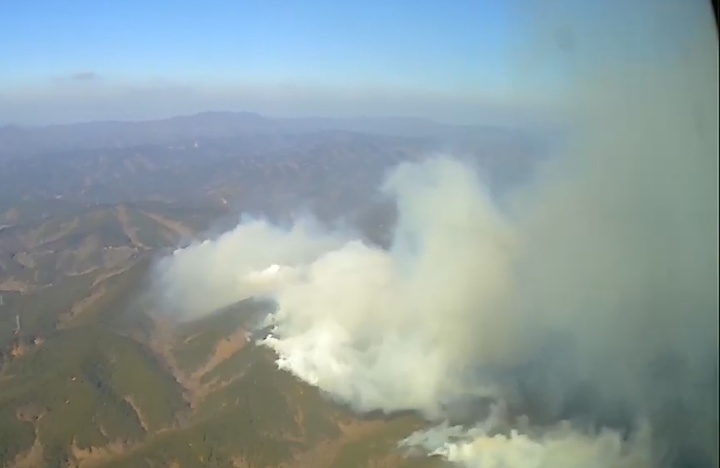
[(18, 140)]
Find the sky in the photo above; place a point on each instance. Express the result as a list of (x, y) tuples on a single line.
[(461, 60)]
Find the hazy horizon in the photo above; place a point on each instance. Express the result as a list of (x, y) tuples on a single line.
[(156, 104), (270, 116), (466, 62)]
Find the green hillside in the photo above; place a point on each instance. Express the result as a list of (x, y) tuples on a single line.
[(86, 387), (95, 378)]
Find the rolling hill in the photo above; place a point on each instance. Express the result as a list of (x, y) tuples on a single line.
[(93, 377)]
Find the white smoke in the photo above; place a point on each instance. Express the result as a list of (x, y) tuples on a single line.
[(559, 446), (614, 246), (353, 318), (216, 273), (356, 320)]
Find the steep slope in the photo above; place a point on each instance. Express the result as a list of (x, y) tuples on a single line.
[(112, 386), (246, 412), (201, 395), (85, 389)]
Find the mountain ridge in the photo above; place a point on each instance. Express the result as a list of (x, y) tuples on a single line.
[(29, 140)]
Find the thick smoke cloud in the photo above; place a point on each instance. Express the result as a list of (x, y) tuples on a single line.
[(215, 273), (592, 297), (359, 318), (561, 445), (353, 318)]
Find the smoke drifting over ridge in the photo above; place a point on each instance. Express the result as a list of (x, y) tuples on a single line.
[(611, 255)]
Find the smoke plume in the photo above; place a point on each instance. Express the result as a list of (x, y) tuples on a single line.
[(588, 303)]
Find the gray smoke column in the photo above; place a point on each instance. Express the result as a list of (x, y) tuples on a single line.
[(610, 256), (621, 236)]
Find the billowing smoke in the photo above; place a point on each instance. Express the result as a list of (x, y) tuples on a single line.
[(561, 445), (354, 318), (213, 274), (587, 307)]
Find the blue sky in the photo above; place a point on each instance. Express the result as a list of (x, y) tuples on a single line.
[(425, 44), (317, 56)]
